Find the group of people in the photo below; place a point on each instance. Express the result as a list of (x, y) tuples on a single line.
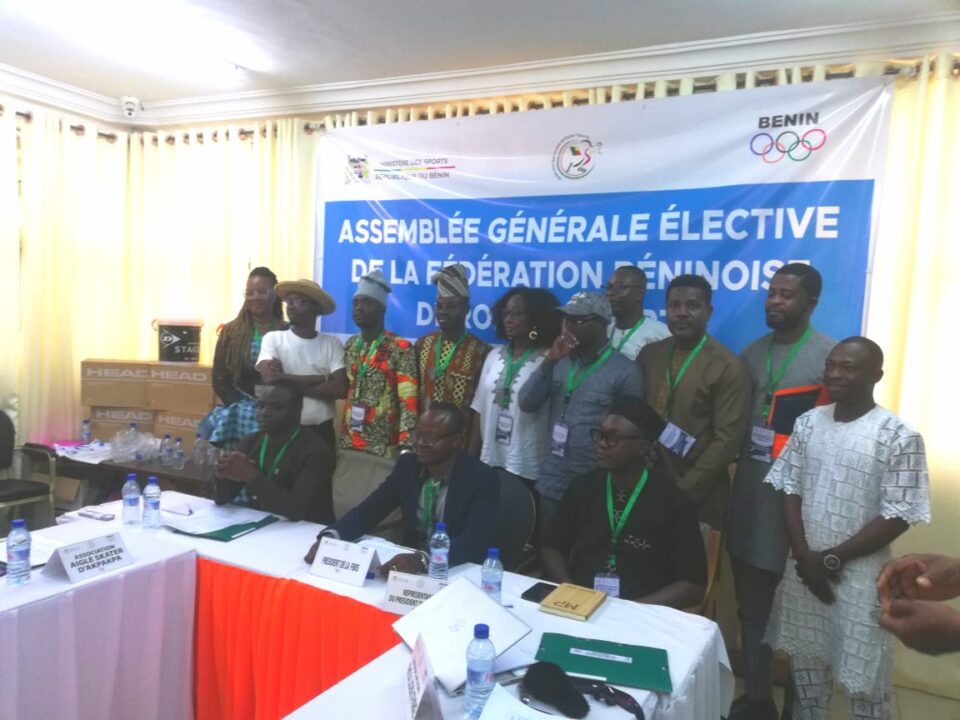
[(634, 436)]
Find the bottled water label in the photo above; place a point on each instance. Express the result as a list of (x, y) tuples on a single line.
[(152, 503), (132, 502), (492, 587), (480, 677), (19, 555), (439, 557)]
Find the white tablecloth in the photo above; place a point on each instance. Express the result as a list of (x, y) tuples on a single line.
[(118, 646), (699, 668)]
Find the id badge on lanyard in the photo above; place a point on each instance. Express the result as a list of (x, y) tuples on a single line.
[(608, 582), (504, 427), (358, 414), (558, 439), (761, 443), (676, 440)]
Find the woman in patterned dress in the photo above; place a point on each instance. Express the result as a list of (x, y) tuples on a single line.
[(234, 374)]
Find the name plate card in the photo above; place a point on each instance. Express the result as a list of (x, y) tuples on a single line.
[(344, 561), (89, 558), (406, 591), (422, 700)]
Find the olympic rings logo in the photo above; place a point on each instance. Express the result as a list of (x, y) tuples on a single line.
[(787, 144)]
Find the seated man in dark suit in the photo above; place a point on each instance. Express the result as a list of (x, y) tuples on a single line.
[(437, 482), (284, 468), (625, 528)]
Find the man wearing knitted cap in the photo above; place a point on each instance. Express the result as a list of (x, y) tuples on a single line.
[(380, 411), (580, 378), (312, 359), (449, 360)]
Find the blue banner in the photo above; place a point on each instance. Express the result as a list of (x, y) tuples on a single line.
[(736, 236)]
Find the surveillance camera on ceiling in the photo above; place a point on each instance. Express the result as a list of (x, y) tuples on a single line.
[(130, 106)]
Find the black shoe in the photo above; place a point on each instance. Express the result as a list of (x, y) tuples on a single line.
[(745, 709)]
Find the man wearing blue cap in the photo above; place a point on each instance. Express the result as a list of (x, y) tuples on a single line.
[(581, 377)]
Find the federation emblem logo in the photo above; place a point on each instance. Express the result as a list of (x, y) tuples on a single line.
[(358, 170), (788, 144), (575, 157)]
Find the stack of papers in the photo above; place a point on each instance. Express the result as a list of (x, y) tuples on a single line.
[(93, 453), (216, 522), (445, 622)]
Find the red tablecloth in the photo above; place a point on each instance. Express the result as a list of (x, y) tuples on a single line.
[(265, 646)]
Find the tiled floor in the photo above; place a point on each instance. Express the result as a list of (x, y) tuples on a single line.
[(907, 705)]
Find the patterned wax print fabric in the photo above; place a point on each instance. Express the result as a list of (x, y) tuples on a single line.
[(459, 380), (226, 424), (387, 391), (847, 474)]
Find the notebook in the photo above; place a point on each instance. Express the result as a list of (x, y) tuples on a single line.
[(573, 601), (614, 663)]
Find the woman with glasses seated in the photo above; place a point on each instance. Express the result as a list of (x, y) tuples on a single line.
[(625, 528), (234, 374), (502, 435)]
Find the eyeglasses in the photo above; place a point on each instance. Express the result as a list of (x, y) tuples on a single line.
[(258, 294), (611, 438), (616, 287), (582, 319), (428, 442)]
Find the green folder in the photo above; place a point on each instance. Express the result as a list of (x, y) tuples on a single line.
[(614, 663), (234, 531)]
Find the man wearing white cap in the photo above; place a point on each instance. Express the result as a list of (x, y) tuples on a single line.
[(312, 359), (449, 360), (380, 411)]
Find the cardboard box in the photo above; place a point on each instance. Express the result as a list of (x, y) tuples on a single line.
[(114, 383), (180, 388), (179, 425), (105, 421)]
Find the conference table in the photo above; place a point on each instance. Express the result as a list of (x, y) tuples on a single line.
[(110, 647), (270, 639)]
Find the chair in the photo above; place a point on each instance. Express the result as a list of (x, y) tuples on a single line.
[(516, 518), (714, 546), (15, 492)]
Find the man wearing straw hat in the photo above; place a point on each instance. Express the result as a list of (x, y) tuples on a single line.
[(310, 358), (449, 360)]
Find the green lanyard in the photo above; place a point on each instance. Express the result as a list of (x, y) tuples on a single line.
[(439, 367), (365, 362), (431, 492), (278, 456), (575, 379), (617, 528), (672, 384), (773, 380), (629, 333), (511, 369)]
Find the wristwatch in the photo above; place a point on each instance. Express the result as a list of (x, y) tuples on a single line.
[(832, 562)]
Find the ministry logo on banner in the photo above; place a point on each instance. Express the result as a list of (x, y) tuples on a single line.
[(575, 157)]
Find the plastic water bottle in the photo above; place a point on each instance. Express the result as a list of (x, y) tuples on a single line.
[(199, 450), (18, 553), (179, 461), (85, 435), (440, 553), (491, 574), (151, 504), (166, 446), (480, 677), (131, 500)]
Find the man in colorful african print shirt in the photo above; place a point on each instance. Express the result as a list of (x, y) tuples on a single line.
[(449, 360), (380, 410)]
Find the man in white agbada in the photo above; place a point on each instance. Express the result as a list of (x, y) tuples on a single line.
[(854, 477)]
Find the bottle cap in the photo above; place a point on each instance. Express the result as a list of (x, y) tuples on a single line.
[(179, 439), (19, 523), (481, 631), (166, 436), (132, 476), (441, 527), (152, 480), (133, 426), (493, 553)]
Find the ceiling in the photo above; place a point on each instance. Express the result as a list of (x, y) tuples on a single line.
[(183, 52)]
